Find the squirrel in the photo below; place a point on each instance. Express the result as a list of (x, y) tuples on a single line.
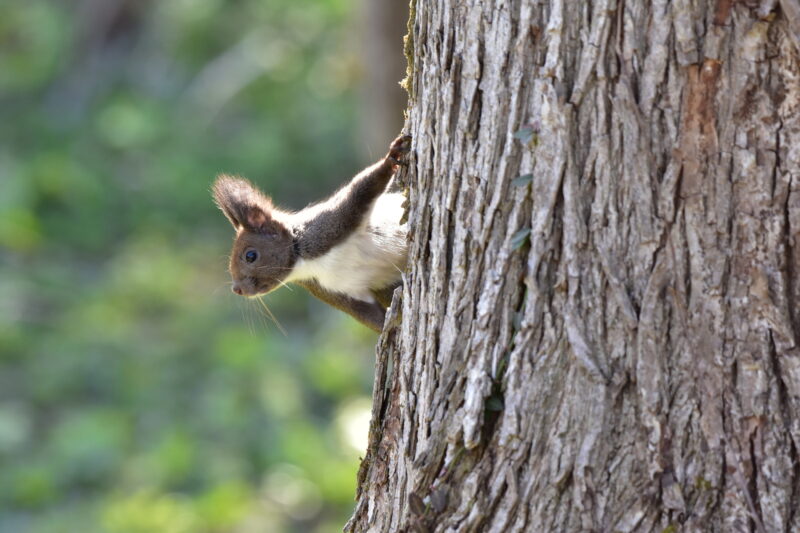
[(349, 250)]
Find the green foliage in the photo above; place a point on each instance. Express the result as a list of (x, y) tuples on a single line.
[(519, 238), (137, 394), (522, 181)]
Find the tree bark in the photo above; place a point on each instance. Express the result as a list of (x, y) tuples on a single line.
[(599, 326)]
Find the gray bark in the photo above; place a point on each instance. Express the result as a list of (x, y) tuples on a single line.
[(634, 364)]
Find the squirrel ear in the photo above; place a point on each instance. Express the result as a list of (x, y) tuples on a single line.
[(240, 201), (255, 218)]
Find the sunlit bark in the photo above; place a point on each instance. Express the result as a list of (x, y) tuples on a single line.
[(609, 344)]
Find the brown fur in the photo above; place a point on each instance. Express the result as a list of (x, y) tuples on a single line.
[(277, 239), (371, 314), (345, 210)]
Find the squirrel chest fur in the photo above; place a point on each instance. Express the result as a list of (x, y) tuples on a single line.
[(371, 258), (349, 250)]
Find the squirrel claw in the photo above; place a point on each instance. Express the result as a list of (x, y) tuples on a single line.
[(398, 149)]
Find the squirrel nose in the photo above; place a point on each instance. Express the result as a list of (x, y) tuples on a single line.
[(237, 289)]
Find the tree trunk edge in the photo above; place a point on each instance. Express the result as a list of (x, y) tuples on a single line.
[(652, 382)]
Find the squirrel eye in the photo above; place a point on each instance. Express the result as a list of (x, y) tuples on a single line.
[(251, 256)]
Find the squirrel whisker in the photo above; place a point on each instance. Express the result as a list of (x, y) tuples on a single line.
[(343, 250), (271, 316)]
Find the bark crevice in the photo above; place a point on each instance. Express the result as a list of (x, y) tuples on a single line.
[(634, 365)]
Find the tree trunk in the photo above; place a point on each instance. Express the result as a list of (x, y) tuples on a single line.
[(631, 363)]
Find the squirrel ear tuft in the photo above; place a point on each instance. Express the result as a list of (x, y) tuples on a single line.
[(240, 201)]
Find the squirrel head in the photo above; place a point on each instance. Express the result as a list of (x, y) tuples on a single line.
[(263, 252)]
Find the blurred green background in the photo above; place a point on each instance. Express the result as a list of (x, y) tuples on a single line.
[(137, 393)]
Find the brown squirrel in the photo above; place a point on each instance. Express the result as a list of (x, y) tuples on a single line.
[(349, 250)]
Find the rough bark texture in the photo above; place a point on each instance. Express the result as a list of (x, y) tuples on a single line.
[(633, 365)]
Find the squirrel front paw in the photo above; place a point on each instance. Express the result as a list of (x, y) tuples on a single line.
[(398, 149)]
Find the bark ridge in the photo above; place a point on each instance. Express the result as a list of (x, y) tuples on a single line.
[(599, 322)]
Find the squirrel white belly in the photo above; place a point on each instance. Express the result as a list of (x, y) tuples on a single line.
[(349, 250), (373, 256)]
